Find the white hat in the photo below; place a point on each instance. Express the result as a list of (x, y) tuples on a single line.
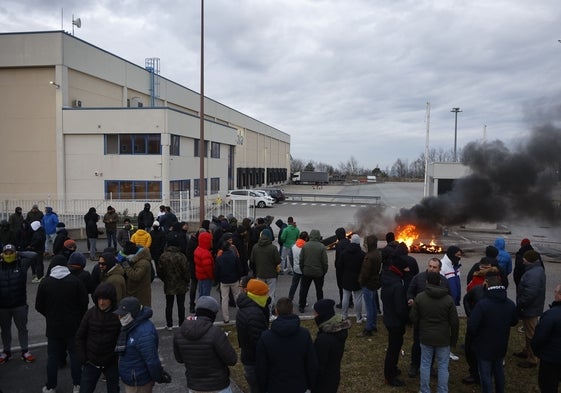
[(35, 225), (156, 224)]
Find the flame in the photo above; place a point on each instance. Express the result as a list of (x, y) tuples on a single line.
[(409, 235)]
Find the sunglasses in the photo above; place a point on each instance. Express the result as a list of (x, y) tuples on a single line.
[(101, 263)]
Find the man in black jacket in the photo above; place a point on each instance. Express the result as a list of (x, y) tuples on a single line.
[(96, 339), (251, 320), (145, 218), (63, 300)]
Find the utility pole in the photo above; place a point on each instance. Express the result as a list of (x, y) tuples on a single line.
[(455, 110)]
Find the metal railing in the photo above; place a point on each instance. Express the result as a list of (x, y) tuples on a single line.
[(334, 198)]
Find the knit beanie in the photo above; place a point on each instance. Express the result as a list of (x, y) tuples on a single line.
[(257, 287), (531, 256), (77, 259), (266, 233), (207, 303), (524, 242), (355, 239), (110, 260), (70, 244), (130, 248), (325, 310)]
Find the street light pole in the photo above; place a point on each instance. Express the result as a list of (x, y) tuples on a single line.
[(455, 110)]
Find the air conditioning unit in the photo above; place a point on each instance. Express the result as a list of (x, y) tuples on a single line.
[(77, 103)]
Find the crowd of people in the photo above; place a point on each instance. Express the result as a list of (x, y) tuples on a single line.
[(116, 338)]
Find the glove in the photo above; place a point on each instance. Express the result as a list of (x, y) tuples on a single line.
[(164, 378)]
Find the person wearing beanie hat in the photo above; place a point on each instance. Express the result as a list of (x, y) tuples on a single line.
[(113, 273), (124, 234), (265, 261), (451, 270), (61, 237), (62, 299), (37, 245), (110, 220), (329, 345), (252, 319), (351, 261), (204, 349), (76, 265), (341, 245), (519, 266), (137, 264), (145, 218), (314, 265), (530, 301)]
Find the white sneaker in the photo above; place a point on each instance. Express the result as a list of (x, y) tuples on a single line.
[(76, 389), (45, 390), (454, 357), (361, 320)]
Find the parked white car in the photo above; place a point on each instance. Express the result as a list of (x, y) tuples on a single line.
[(255, 198), (265, 194)]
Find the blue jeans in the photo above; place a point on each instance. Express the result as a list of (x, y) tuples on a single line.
[(56, 350), (91, 374), (442, 355), (111, 238), (489, 369), (204, 287), (370, 306)]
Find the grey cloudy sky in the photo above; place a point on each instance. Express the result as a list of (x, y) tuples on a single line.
[(342, 77)]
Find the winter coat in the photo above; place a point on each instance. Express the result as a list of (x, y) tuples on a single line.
[(140, 364), (369, 276), (452, 274), (352, 259), (116, 277), (227, 267), (38, 239), (341, 246), (394, 299), (110, 219), (49, 221), (265, 259), (145, 219), (62, 299), (251, 321), (13, 284), (58, 244), (204, 263), (91, 218), (530, 296), (504, 259), (7, 236), (139, 276), (84, 276), (296, 248), (387, 254), (124, 235), (98, 332), (471, 298), (546, 342), (141, 238), (419, 283), (286, 357), (434, 312), (158, 245), (289, 236), (173, 271), (330, 346), (313, 256), (206, 353), (489, 324), (34, 215), (15, 221), (519, 266)]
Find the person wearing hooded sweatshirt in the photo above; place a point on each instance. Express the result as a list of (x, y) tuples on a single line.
[(92, 233), (342, 244), (62, 299), (113, 273), (61, 237), (396, 315), (265, 261), (137, 346), (96, 339), (288, 237), (351, 260), (489, 326), (435, 313), (313, 262), (504, 259), (137, 263), (297, 276), (329, 346), (145, 218), (49, 221), (369, 280), (252, 319), (451, 270), (286, 358), (204, 263), (204, 349), (76, 265), (37, 245)]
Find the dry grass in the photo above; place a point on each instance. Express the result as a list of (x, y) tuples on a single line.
[(362, 369)]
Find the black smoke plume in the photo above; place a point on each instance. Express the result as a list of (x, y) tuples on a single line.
[(503, 185)]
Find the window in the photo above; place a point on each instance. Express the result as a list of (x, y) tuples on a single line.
[(215, 150), (196, 188), (174, 145), (196, 152), (133, 189), (178, 186), (133, 144), (214, 185)]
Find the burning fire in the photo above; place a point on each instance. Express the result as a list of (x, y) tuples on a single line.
[(409, 235)]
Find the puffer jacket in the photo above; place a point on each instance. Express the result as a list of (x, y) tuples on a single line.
[(138, 276), (173, 271), (140, 364), (546, 342), (369, 276), (264, 259), (13, 281), (504, 259), (206, 353), (530, 296), (204, 263), (141, 238), (251, 321), (313, 256), (434, 312), (352, 259)]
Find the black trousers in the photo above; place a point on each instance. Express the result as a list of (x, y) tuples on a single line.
[(395, 341), (549, 376), (305, 287)]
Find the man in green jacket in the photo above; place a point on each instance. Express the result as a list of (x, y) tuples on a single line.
[(313, 262), (265, 261), (288, 238)]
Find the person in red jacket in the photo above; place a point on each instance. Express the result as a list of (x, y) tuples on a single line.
[(204, 264)]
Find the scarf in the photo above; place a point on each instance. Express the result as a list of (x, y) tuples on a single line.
[(261, 300)]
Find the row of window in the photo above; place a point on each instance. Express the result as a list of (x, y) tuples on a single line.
[(151, 144), (142, 189)]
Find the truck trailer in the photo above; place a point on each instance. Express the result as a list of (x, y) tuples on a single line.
[(309, 177)]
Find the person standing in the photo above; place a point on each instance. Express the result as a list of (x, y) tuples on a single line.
[(173, 271), (297, 276), (503, 259), (34, 214), (137, 264), (288, 237), (530, 300), (125, 233), (13, 303), (342, 244), (314, 265), (286, 358), (351, 261), (62, 299), (252, 319), (204, 349), (61, 237), (37, 245), (110, 219), (369, 280), (158, 242), (113, 273), (396, 315), (49, 222), (96, 339), (227, 272), (451, 270), (16, 220), (329, 345), (92, 233), (546, 344), (489, 327), (137, 346), (435, 313), (145, 218), (265, 261), (204, 264)]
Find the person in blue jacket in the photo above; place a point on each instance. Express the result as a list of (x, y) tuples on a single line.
[(137, 345), (504, 259)]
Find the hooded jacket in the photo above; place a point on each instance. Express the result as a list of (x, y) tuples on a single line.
[(49, 221), (173, 271), (265, 258), (206, 353), (139, 275), (13, 284), (342, 244), (352, 259), (251, 321), (204, 263), (530, 296), (141, 238), (289, 236), (369, 276), (110, 219), (504, 259), (394, 299), (451, 270), (435, 313), (313, 256), (546, 342), (91, 218), (296, 248), (116, 276)]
